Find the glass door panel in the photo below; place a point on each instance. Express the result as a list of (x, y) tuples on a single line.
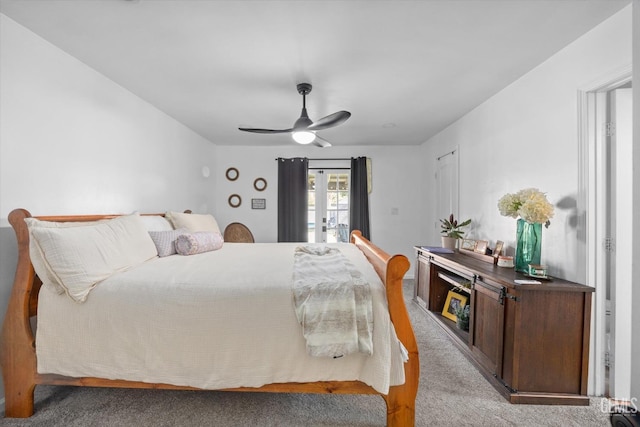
[(329, 206)]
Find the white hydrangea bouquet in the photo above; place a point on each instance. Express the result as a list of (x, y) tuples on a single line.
[(529, 204)]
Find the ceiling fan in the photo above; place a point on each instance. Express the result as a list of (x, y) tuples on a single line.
[(304, 130)]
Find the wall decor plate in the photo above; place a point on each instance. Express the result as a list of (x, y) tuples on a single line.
[(232, 174), (260, 184), (235, 200)]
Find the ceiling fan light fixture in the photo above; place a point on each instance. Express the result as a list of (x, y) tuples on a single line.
[(304, 129), (303, 137)]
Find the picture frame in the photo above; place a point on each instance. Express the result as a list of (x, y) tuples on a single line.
[(481, 246), (468, 244), (453, 301), (258, 203), (498, 249)]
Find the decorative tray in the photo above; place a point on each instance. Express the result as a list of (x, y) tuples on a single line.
[(544, 278)]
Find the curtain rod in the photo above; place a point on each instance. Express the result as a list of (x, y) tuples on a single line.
[(445, 155), (349, 158), (329, 169)]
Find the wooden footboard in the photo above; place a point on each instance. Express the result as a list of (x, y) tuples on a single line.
[(18, 355), (391, 269)]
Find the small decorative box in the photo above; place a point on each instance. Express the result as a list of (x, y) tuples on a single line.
[(505, 261), (537, 270)]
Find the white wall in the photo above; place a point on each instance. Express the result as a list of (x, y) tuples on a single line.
[(72, 141), (396, 184), (526, 136)]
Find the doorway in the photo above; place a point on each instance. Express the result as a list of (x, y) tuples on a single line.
[(328, 211), (605, 176)]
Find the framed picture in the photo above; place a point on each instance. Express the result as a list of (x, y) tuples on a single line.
[(258, 203), (498, 249), (454, 300), (468, 244), (481, 246)]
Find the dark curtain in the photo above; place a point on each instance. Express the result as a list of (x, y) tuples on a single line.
[(292, 199), (359, 197)]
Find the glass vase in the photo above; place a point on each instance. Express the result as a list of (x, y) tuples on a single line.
[(529, 245)]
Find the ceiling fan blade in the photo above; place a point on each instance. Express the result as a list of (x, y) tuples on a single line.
[(257, 130), (321, 142), (330, 121)]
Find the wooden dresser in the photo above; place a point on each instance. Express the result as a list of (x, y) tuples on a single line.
[(530, 341)]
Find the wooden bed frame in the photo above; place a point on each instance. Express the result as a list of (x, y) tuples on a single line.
[(18, 354)]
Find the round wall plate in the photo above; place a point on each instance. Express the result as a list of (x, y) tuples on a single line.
[(260, 184), (232, 174), (235, 200)]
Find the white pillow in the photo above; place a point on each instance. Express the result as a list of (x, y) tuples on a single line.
[(78, 258), (156, 223), (193, 222), (37, 259)]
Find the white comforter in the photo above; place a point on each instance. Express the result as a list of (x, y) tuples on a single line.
[(215, 320)]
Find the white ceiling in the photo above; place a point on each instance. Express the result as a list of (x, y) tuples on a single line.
[(404, 69)]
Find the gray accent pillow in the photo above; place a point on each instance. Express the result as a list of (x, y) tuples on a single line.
[(165, 241)]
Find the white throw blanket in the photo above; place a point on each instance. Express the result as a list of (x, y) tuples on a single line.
[(332, 302)]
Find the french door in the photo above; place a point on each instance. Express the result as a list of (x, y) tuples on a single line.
[(328, 212)]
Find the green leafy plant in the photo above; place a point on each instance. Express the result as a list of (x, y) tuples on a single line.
[(462, 316), (452, 228), (462, 313)]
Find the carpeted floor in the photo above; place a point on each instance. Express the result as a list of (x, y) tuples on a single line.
[(452, 393)]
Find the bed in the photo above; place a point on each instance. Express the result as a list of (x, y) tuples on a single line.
[(28, 360)]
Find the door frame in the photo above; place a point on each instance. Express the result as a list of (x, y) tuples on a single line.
[(620, 379), (591, 190), (454, 188)]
